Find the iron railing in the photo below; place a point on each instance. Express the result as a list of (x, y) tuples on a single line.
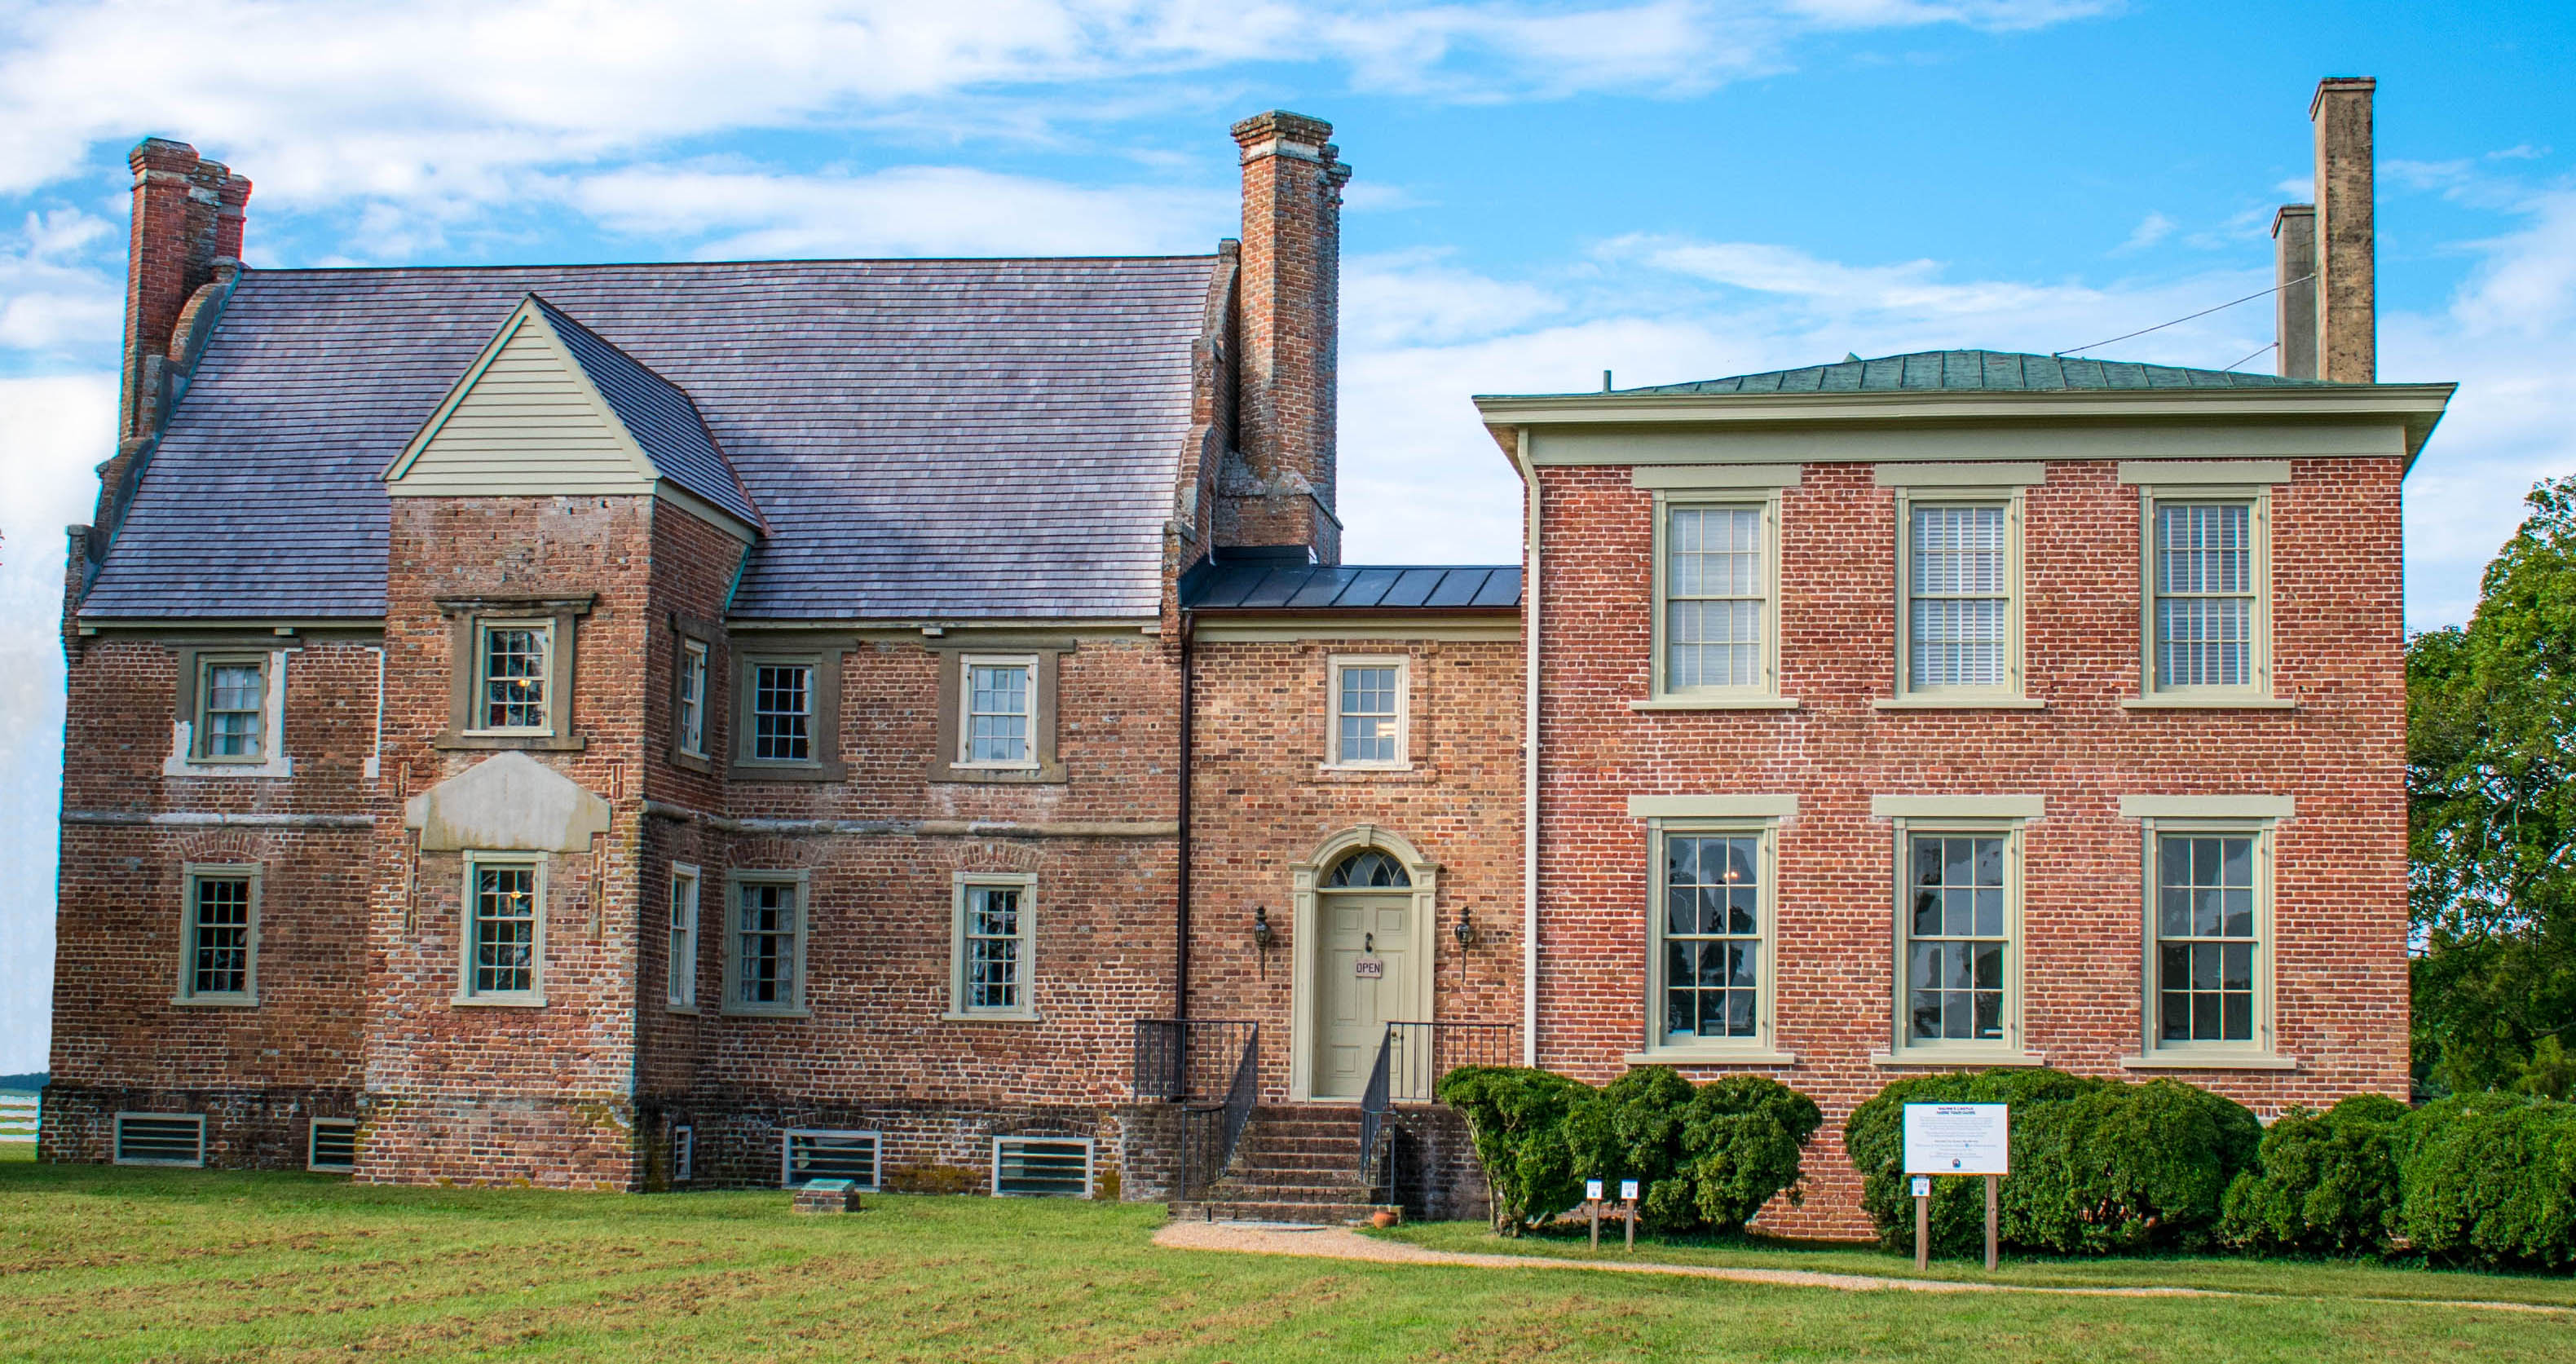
[(1179, 1060), (1411, 1059), (1209, 1131)]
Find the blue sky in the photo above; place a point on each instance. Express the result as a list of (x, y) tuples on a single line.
[(1671, 190)]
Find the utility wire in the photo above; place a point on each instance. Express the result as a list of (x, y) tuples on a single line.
[(2268, 345), (2180, 320)]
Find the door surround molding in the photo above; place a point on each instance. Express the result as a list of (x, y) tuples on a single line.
[(1306, 936)]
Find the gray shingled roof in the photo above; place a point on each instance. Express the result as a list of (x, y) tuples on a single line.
[(1272, 586), (988, 438), (656, 413), (1990, 371)]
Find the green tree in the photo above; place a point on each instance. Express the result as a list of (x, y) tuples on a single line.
[(2491, 785)]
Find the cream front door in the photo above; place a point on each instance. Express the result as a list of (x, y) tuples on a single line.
[(1353, 1001)]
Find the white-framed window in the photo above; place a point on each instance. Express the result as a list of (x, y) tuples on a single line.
[(2208, 582), (1367, 715), (160, 1139), (994, 947), (513, 676), (1041, 1167), (1710, 936), (682, 968), (219, 934), (1716, 576), (232, 707), (505, 929), (1959, 597), (2209, 908), (765, 943), (1959, 937), (782, 711), (684, 1154), (331, 1145), (691, 716), (806, 1154), (998, 711)]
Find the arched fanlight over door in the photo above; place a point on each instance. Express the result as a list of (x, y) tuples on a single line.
[(1368, 869)]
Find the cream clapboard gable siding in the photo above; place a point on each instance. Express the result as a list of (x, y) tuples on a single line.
[(524, 421)]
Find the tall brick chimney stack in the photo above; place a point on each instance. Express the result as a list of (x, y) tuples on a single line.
[(2294, 260), (187, 219), (2347, 290), (1281, 493)]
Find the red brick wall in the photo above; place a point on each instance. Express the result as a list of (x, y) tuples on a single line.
[(2340, 882)]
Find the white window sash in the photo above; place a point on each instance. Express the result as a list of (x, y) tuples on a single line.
[(968, 712), (473, 924), (2151, 1030), (682, 966), (1751, 597), (1397, 716), (964, 940), (693, 698), (2254, 597), (544, 700), (2013, 967)]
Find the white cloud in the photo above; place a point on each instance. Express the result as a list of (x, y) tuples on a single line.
[(2153, 228), (49, 297)]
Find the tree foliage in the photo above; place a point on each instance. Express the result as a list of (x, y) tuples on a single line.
[(2491, 787)]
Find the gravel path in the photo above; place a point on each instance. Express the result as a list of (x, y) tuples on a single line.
[(1341, 1243)]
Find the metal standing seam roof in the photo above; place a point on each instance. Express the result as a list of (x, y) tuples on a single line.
[(1987, 371), (657, 414), (960, 438), (1257, 586)]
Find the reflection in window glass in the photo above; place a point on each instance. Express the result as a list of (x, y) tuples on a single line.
[(2205, 938), (514, 677), (997, 713), (234, 692), (1368, 715), (782, 711), (1712, 936), (505, 929), (1956, 938)]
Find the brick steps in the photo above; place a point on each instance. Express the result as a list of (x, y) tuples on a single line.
[(1297, 1163)]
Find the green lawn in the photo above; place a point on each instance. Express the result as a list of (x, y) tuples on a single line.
[(99, 1264)]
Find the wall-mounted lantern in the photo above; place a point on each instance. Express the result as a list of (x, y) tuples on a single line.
[(1262, 934), (1465, 929)]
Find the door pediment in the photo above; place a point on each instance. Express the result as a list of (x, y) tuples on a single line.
[(507, 802)]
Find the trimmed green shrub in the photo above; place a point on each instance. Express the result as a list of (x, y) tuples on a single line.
[(1517, 1118), (1632, 1129), (1874, 1138), (2326, 1183), (2490, 1179), (1741, 1137)]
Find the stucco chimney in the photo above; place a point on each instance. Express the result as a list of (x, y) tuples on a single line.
[(187, 216), (2347, 292), (1280, 490), (2294, 258)]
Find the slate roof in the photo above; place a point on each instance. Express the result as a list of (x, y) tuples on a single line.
[(980, 438), (657, 414), (1989, 371), (1302, 588)]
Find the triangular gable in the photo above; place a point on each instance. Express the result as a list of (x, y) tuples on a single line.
[(528, 419), (507, 802)]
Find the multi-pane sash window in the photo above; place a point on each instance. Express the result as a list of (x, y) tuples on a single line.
[(2205, 937), (1959, 598), (2205, 594), (683, 968), (511, 676), (1712, 934), (234, 694), (998, 712), (993, 962), (1957, 938), (1366, 720), (220, 906), (502, 929), (782, 712), (692, 715), (1713, 590), (765, 929)]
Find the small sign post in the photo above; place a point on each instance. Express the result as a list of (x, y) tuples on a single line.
[(1628, 1197), (1955, 1139), (1592, 1202)]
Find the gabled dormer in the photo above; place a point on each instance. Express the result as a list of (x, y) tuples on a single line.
[(551, 408)]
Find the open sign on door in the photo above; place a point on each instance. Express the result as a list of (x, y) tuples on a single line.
[(1368, 968)]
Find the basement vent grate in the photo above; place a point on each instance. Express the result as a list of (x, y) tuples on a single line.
[(334, 1145), (160, 1139), (1036, 1167), (684, 1154), (807, 1154)]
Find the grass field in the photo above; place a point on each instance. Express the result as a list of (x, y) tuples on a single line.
[(110, 1264)]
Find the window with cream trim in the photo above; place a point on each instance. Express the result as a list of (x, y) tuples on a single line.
[(2208, 578), (2209, 922), (504, 923), (993, 946), (232, 706), (1716, 584), (1710, 936), (693, 698), (682, 967), (220, 960), (1959, 626), (513, 676), (1958, 937), (1368, 712), (999, 712)]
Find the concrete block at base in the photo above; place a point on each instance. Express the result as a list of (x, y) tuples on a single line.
[(828, 1195)]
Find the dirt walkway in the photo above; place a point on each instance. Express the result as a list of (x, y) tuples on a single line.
[(1340, 1243)]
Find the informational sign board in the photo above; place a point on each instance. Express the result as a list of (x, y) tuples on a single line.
[(1592, 1190), (1628, 1190), (1957, 1139), (1368, 968)]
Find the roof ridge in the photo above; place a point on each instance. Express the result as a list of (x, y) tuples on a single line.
[(346, 270)]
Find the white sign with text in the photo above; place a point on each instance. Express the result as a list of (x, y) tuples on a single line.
[(1957, 1139)]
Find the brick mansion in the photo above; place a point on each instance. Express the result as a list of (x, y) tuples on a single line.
[(656, 726)]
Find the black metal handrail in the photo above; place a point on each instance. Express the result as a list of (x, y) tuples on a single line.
[(1411, 1059), (1177, 1060), (1210, 1131)]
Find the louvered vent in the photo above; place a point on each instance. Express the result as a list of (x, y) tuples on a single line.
[(1036, 1167)]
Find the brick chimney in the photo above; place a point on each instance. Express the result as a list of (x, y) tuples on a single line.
[(2294, 259), (2347, 292), (187, 217), (1278, 490)]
